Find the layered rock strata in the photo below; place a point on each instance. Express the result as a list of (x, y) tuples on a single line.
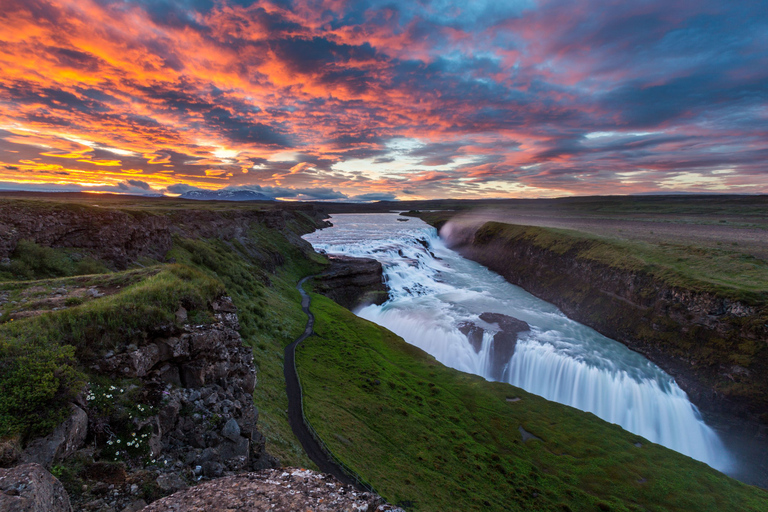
[(352, 282), (695, 336)]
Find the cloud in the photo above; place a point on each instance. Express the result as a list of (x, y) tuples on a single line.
[(119, 188), (138, 184), (340, 100), (375, 196)]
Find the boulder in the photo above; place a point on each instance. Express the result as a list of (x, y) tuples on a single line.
[(233, 449), (134, 363), (473, 333), (61, 443), (171, 482), (504, 341), (10, 450), (231, 430), (30, 488)]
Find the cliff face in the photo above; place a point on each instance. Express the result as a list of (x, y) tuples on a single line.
[(107, 234), (200, 380), (714, 347), (180, 408), (122, 236), (170, 403), (352, 282)]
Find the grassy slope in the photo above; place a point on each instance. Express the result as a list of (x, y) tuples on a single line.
[(438, 439), (42, 358), (270, 317), (263, 290)]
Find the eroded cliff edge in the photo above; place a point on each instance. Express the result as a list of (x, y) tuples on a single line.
[(152, 368), (715, 347)]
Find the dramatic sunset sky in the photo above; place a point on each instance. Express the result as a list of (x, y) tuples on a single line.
[(406, 99)]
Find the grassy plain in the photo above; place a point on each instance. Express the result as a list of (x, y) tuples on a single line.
[(722, 271)]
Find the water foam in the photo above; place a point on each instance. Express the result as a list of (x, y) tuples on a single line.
[(433, 289)]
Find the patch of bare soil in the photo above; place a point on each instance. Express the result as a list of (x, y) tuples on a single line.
[(37, 300)]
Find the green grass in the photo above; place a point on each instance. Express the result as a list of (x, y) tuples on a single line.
[(270, 315), (118, 319), (259, 269), (32, 261), (436, 439), (43, 359), (722, 271)]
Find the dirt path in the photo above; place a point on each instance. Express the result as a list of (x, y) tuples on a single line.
[(293, 389)]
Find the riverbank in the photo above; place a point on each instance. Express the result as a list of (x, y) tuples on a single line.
[(431, 438), (707, 328)]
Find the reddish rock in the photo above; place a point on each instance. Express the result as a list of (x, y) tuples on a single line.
[(276, 490)]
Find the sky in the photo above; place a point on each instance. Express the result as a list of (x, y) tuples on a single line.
[(395, 99)]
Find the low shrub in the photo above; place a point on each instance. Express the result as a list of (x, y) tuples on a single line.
[(36, 384)]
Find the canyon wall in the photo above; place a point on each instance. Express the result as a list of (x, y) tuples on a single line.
[(715, 347)]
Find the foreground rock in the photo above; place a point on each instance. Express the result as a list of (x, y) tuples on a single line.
[(353, 282), (278, 490), (195, 383), (61, 443), (30, 488), (503, 343)]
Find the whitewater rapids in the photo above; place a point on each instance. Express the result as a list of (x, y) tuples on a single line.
[(433, 289)]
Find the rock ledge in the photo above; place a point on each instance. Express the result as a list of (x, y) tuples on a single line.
[(277, 490)]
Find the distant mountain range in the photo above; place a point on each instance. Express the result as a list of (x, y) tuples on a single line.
[(226, 195)]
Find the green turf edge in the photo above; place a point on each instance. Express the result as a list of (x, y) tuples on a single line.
[(433, 438)]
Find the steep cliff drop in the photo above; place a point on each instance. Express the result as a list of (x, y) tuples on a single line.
[(452, 308)]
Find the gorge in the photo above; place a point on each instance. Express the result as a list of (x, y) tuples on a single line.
[(442, 303)]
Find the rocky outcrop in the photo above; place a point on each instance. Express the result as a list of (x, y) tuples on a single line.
[(352, 282), (184, 393), (715, 347), (30, 488), (61, 443), (120, 237), (503, 343), (108, 234), (277, 490), (202, 380)]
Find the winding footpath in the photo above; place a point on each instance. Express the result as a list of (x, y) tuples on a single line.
[(293, 388)]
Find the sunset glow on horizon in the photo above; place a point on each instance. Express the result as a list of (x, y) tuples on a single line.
[(370, 100)]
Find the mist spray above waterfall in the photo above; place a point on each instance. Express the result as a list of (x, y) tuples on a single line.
[(455, 309)]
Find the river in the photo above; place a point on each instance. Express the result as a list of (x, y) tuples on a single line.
[(433, 291)]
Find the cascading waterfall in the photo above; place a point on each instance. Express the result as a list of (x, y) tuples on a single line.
[(433, 290)]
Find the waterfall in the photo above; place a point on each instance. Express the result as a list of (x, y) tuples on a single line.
[(433, 291)]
